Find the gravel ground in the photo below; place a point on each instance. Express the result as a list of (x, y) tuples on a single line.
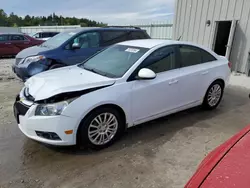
[(162, 153)]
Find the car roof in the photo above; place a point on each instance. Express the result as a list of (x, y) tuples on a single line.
[(151, 43), (80, 29)]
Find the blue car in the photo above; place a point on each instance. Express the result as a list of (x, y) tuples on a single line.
[(70, 48)]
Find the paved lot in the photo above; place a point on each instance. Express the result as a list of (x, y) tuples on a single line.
[(163, 153)]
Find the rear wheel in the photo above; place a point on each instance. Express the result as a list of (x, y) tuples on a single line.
[(101, 128), (214, 95)]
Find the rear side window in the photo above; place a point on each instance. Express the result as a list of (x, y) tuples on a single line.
[(207, 57), (4, 38), (53, 34), (17, 38), (190, 56), (193, 56), (112, 37), (137, 35)]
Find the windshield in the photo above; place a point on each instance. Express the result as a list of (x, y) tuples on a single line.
[(58, 40), (114, 61)]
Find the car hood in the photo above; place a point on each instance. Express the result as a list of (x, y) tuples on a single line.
[(233, 170), (69, 79), (226, 165), (31, 51)]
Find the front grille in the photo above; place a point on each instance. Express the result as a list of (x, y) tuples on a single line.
[(21, 108), (18, 60)]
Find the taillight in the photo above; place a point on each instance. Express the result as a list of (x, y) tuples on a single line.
[(230, 65)]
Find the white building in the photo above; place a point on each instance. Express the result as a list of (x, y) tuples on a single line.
[(222, 25)]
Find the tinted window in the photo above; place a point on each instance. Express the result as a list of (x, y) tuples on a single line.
[(17, 37), (114, 61), (3, 38), (190, 56), (36, 35), (52, 34), (161, 60), (112, 37), (207, 57), (45, 35), (137, 35)]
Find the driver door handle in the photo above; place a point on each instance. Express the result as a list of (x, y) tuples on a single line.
[(173, 82), (204, 73)]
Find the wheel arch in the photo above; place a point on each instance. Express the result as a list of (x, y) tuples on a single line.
[(108, 105), (218, 80)]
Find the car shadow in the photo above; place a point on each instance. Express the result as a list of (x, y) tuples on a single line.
[(165, 127)]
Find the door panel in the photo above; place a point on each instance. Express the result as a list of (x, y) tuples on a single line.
[(193, 83), (195, 74), (153, 97)]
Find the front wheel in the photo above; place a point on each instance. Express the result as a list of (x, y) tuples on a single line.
[(101, 128), (214, 95)]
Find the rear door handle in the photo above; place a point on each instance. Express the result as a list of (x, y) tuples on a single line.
[(7, 43), (204, 73), (173, 82)]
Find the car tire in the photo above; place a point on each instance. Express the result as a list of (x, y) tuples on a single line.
[(97, 135), (55, 66), (213, 95)]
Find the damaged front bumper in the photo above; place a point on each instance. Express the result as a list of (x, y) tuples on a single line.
[(45, 129)]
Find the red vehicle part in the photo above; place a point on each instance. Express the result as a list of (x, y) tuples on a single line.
[(226, 166), (12, 44)]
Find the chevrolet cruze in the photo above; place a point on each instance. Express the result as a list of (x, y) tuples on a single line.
[(129, 83)]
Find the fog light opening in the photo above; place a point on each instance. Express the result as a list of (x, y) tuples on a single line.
[(48, 135)]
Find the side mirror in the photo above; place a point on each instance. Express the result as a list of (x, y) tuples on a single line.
[(146, 74), (76, 46)]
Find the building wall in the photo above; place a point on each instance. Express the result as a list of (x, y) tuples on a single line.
[(190, 23), (9, 30)]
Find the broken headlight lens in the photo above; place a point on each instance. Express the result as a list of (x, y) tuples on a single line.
[(55, 109), (33, 59)]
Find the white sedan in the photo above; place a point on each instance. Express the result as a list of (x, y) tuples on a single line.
[(124, 85)]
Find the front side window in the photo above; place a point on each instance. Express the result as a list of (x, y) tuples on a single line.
[(161, 60), (88, 40), (58, 40), (4, 38), (114, 61), (17, 38)]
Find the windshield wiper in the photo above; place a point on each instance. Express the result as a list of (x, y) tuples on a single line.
[(99, 72)]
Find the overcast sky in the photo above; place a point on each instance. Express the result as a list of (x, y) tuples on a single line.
[(108, 11)]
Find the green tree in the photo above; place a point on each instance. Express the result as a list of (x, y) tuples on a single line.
[(53, 19)]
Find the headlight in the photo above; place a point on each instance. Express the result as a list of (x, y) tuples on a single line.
[(52, 109), (33, 59)]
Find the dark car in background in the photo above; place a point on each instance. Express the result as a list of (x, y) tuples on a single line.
[(12, 44), (45, 35), (70, 48)]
